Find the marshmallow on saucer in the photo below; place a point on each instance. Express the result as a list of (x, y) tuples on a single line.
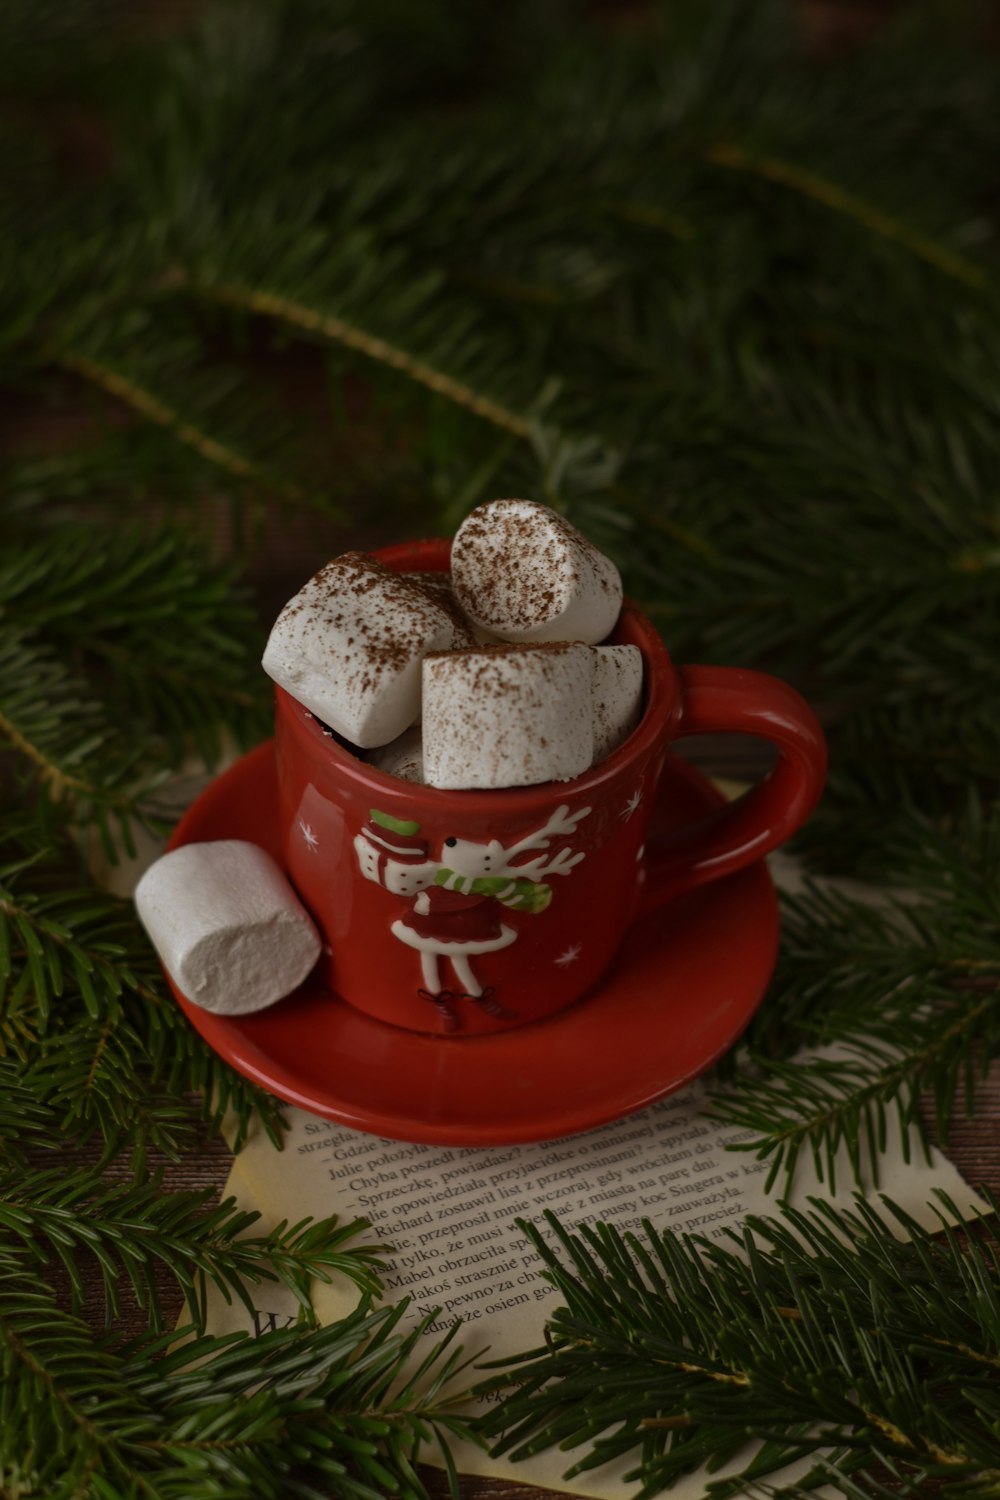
[(227, 925), (349, 647), (522, 571), (402, 757), (617, 696), (507, 715)]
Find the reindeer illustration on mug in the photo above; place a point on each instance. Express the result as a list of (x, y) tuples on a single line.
[(457, 897)]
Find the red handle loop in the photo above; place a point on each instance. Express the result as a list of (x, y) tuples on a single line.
[(727, 700)]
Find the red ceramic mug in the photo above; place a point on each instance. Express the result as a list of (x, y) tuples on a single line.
[(462, 912)]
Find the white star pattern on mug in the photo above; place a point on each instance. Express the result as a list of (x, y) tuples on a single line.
[(571, 955), (309, 838), (631, 804)]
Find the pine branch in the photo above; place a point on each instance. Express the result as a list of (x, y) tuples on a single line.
[(340, 1400), (132, 1229), (163, 633), (902, 995), (105, 1050), (289, 1413), (102, 1084), (25, 1122), (42, 952), (736, 158), (62, 1397), (357, 339), (808, 1332), (149, 406), (67, 747), (146, 1082), (844, 1102)]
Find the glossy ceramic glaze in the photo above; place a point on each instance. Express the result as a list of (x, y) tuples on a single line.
[(467, 913), (683, 985)]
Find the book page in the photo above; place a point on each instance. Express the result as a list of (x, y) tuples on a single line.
[(450, 1212)]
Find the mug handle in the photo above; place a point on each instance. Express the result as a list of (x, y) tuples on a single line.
[(729, 700)]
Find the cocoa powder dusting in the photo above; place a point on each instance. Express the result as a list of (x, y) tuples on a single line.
[(383, 639), (489, 723), (512, 563)]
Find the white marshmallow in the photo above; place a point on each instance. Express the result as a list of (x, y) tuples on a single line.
[(402, 757), (441, 589), (349, 647), (617, 696), (522, 571), (507, 716), (227, 925)]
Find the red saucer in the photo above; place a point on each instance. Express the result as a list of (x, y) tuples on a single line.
[(684, 985)]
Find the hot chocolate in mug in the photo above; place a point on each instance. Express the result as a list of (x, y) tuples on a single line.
[(464, 912)]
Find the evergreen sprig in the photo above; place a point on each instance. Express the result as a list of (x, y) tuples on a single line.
[(900, 998), (816, 1336), (65, 744), (167, 637), (132, 1228), (103, 1047), (25, 1121), (288, 1413)]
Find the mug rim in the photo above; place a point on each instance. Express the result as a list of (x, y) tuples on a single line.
[(661, 709)]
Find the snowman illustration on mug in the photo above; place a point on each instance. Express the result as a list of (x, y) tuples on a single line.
[(456, 898)]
